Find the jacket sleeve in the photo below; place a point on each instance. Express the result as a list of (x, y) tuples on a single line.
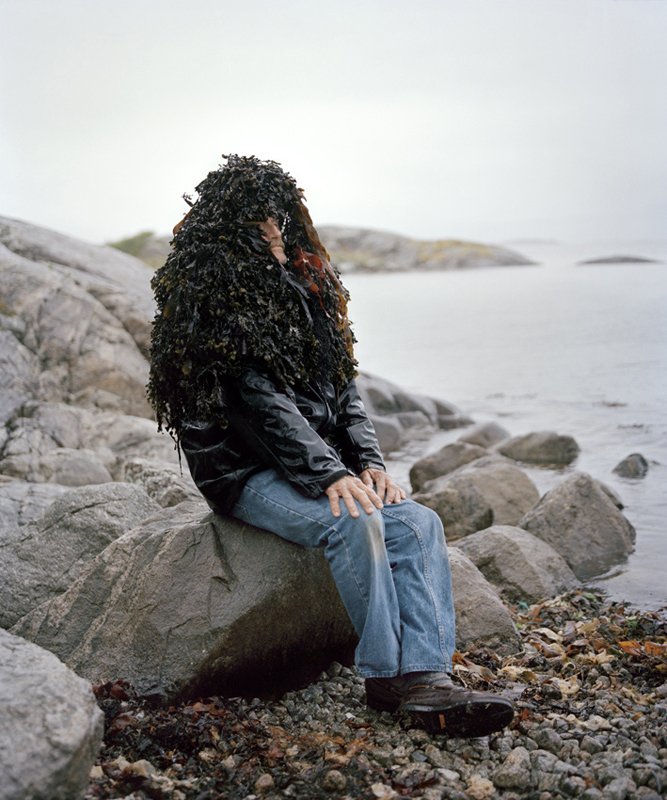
[(354, 434), (270, 423)]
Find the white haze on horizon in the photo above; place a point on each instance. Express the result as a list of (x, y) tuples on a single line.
[(486, 119)]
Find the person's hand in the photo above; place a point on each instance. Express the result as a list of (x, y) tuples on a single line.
[(385, 486), (350, 488)]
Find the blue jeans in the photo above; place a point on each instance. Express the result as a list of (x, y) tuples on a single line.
[(391, 569)]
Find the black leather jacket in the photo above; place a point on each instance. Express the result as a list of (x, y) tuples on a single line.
[(311, 437)]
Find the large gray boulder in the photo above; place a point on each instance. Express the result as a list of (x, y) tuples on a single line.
[(505, 486), (524, 567), (448, 459), (41, 560), (580, 521), (191, 602), (542, 447), (462, 508), (463, 499), (481, 618), (50, 725)]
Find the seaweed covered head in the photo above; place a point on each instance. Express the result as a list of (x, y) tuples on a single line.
[(242, 193), (225, 304)]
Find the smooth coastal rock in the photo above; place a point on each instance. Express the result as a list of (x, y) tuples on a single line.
[(580, 521), (448, 459), (485, 434), (481, 618), (364, 250), (462, 508), (506, 487), (50, 725), (525, 568), (464, 498), (41, 560), (632, 466), (398, 416), (541, 447), (191, 602)]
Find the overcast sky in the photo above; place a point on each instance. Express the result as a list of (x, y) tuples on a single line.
[(489, 120)]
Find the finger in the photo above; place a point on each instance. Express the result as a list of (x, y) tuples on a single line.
[(334, 502), (367, 499), (351, 505), (381, 486), (367, 478)]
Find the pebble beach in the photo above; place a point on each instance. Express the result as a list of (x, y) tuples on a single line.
[(590, 693)]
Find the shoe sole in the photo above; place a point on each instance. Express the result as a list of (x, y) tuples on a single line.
[(467, 720)]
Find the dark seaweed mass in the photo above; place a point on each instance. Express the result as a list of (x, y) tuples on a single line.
[(225, 304)]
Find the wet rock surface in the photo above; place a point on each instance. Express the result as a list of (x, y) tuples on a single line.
[(591, 704), (632, 466), (541, 447), (582, 523)]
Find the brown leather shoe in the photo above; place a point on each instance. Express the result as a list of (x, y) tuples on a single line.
[(453, 711), (382, 695)]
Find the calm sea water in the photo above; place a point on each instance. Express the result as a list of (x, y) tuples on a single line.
[(580, 350)]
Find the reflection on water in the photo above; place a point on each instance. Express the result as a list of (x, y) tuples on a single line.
[(576, 349)]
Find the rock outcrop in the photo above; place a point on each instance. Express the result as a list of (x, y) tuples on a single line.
[(580, 521), (360, 249), (524, 567), (50, 725)]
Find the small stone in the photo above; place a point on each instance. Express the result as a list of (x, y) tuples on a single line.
[(142, 768), (264, 783), (334, 781), (616, 790), (548, 739), (479, 788), (96, 771), (592, 793), (382, 791), (449, 776)]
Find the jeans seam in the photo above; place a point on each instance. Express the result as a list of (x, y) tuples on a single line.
[(427, 578)]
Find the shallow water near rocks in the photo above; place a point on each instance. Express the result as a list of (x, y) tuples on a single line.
[(576, 349)]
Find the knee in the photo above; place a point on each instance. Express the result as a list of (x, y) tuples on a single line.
[(368, 530)]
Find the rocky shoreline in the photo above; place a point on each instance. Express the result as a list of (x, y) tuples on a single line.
[(591, 723), (115, 573)]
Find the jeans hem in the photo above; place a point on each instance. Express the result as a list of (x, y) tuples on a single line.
[(376, 673)]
